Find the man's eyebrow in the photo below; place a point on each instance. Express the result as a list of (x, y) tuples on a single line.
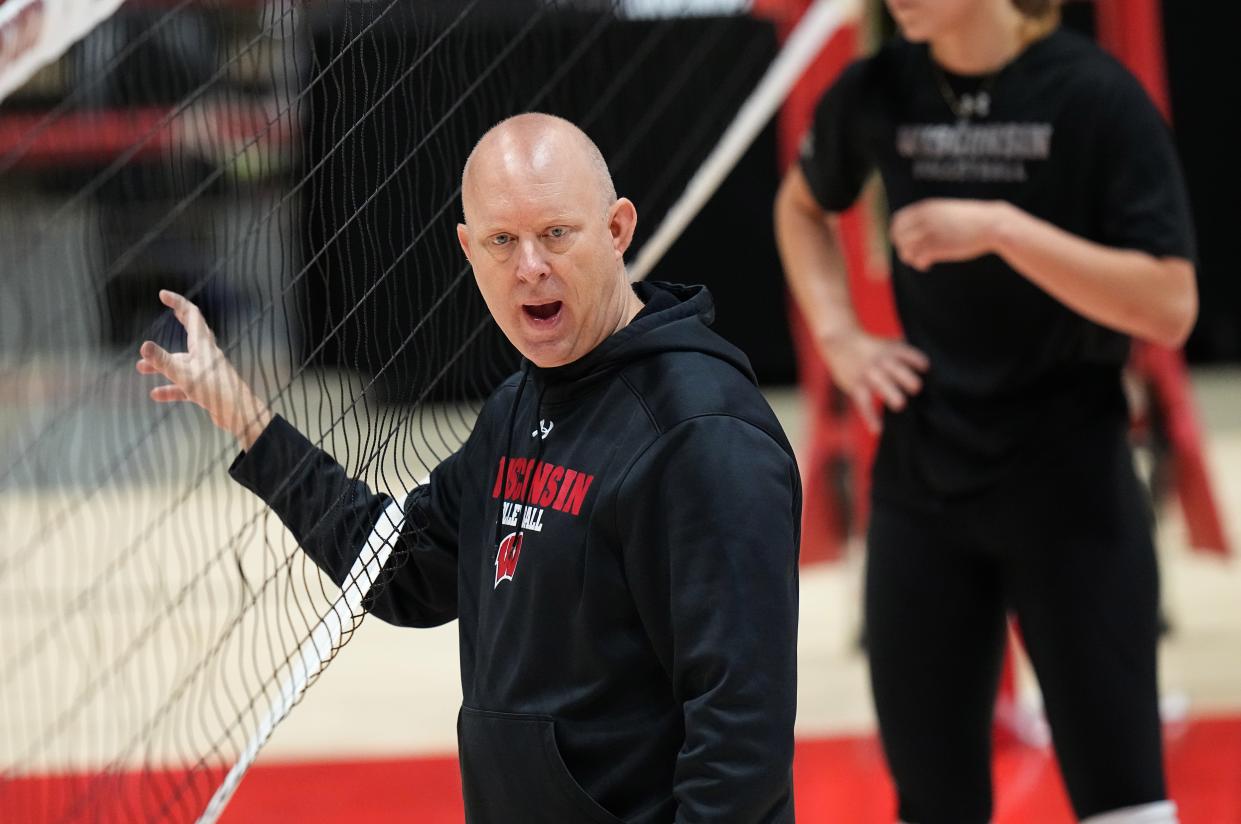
[(542, 221)]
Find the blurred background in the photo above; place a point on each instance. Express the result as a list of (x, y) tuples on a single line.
[(294, 167)]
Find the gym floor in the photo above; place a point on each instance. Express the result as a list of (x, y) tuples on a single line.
[(374, 737)]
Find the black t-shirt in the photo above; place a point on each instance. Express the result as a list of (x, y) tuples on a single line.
[(1070, 137)]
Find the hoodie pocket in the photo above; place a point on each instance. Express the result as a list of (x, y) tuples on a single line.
[(512, 772)]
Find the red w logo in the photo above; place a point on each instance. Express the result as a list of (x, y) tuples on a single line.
[(506, 558)]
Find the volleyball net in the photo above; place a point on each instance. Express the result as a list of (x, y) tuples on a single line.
[(294, 169)]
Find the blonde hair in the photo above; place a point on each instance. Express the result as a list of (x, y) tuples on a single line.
[(1041, 17)]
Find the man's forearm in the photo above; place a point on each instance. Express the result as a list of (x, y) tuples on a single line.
[(249, 419), (329, 513), (334, 516), (1129, 291)]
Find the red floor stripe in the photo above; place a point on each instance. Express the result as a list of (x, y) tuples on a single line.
[(837, 780)]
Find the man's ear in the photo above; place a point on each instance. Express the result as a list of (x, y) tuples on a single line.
[(622, 221), (463, 237)]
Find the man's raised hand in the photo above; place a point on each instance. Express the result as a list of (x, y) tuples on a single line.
[(203, 375)]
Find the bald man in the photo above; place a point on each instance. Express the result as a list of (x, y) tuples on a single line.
[(617, 537)]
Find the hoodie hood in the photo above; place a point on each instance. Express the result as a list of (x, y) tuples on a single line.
[(677, 318), (680, 322)]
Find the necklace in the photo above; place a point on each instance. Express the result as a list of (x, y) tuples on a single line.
[(965, 106)]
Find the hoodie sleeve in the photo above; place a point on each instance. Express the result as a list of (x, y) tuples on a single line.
[(709, 524), (332, 516)]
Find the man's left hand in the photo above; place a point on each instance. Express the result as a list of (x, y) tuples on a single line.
[(944, 230)]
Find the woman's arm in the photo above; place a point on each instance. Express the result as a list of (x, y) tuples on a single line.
[(862, 365), (814, 264), (1153, 298)]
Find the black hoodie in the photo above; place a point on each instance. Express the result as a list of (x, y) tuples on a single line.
[(618, 538)]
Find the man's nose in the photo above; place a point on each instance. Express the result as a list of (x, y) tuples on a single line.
[(531, 263)]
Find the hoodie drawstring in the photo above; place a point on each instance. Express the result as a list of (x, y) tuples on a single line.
[(520, 508), (530, 468), (508, 454)]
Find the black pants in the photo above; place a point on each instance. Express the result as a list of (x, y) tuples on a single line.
[(1070, 553)]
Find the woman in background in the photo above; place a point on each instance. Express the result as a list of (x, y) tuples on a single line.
[(1038, 221)]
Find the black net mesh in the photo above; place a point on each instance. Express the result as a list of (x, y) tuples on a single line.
[(294, 169)]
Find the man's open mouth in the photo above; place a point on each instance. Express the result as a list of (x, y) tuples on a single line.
[(542, 311)]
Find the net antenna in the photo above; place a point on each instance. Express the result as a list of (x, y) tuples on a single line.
[(293, 167)]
